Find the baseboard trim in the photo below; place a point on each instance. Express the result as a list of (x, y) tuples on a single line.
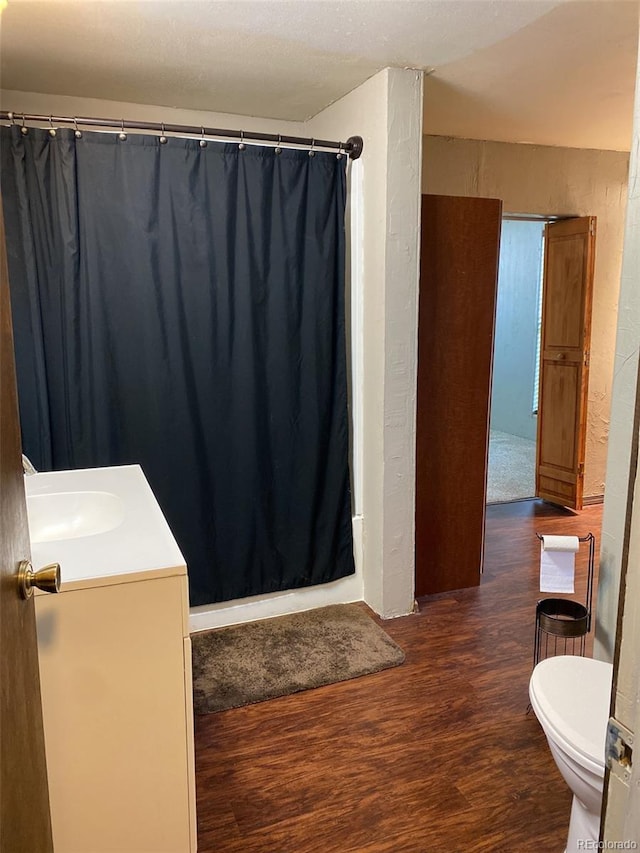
[(592, 500)]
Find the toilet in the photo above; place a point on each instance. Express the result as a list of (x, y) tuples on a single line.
[(570, 696)]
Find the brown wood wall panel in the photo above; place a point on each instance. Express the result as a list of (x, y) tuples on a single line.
[(458, 280)]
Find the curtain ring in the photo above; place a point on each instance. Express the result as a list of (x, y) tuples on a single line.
[(52, 130), (24, 130), (163, 138), (10, 117), (77, 133), (312, 153), (241, 145), (340, 153), (122, 136), (203, 141), (278, 149)]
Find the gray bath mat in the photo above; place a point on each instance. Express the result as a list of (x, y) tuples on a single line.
[(274, 657)]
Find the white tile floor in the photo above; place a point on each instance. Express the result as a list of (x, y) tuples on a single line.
[(511, 474)]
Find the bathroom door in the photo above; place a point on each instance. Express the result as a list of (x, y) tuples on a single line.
[(458, 285), (564, 360), (25, 823)]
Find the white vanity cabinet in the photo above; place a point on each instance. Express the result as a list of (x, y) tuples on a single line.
[(115, 667)]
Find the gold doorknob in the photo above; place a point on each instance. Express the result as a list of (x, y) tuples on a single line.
[(47, 578)]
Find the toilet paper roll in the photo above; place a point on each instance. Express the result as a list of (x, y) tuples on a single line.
[(557, 563), (560, 543)]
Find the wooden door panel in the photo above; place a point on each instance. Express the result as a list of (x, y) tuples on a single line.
[(25, 823), (565, 291), (458, 282), (564, 360), (558, 438)]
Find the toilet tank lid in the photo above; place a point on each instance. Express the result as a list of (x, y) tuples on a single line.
[(574, 693)]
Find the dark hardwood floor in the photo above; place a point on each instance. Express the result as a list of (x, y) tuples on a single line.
[(434, 756)]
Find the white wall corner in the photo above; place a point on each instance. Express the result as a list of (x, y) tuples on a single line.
[(386, 110), (402, 261), (363, 112), (625, 382)]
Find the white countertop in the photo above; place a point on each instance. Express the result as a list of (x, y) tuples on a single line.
[(141, 545)]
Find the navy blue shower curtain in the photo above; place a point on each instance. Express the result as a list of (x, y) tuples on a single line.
[(183, 307)]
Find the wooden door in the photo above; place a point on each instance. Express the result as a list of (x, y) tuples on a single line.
[(25, 823), (564, 360), (458, 284)]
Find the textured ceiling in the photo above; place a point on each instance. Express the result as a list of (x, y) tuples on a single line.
[(551, 71), (566, 79)]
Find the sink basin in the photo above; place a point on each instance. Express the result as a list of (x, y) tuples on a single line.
[(99, 524), (71, 515)]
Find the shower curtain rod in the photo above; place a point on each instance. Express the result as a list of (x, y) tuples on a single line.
[(353, 146)]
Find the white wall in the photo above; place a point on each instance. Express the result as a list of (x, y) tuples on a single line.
[(621, 474), (545, 180), (383, 219), (387, 112), (64, 105), (622, 502), (516, 333)]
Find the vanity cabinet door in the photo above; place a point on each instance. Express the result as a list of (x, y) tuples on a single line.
[(116, 700)]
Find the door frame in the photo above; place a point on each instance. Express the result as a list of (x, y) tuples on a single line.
[(25, 820), (547, 219), (542, 219)]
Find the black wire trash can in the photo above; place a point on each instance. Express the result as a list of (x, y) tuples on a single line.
[(562, 624)]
